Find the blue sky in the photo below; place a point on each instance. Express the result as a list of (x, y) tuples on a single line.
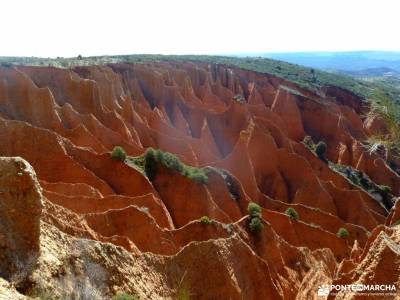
[(96, 27)]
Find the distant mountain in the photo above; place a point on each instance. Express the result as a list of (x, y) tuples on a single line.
[(348, 61)]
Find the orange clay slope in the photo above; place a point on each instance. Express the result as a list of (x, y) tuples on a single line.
[(247, 130)]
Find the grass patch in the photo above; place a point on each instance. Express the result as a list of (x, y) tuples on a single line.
[(136, 162)]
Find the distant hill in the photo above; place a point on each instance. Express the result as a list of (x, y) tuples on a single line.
[(349, 61), (379, 68), (373, 72)]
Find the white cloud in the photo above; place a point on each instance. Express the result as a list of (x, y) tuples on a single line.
[(96, 27)]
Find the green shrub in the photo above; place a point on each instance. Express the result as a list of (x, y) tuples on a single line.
[(342, 233), (254, 210), (197, 174), (118, 153), (292, 213), (320, 149), (154, 157), (150, 163), (205, 220), (256, 224), (170, 161)]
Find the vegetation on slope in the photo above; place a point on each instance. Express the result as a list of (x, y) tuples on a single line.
[(380, 192), (307, 78), (363, 181), (205, 220), (255, 217), (342, 233), (118, 153), (148, 164), (383, 108), (292, 213)]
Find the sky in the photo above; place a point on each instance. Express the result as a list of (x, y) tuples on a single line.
[(51, 28)]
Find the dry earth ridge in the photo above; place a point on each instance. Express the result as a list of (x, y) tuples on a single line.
[(75, 224)]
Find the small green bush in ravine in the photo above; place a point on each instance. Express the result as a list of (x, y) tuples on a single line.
[(254, 210), (155, 157), (342, 233), (205, 220), (320, 149), (256, 224), (118, 153), (124, 296), (292, 213)]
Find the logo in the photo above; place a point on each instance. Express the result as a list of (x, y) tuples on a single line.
[(323, 290), (359, 289)]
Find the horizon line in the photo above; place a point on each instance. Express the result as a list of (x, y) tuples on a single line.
[(240, 53)]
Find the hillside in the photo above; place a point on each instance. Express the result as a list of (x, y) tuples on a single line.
[(312, 79), (388, 79), (236, 184), (377, 69)]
